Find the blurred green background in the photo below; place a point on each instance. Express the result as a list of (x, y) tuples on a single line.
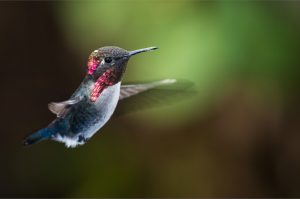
[(239, 137)]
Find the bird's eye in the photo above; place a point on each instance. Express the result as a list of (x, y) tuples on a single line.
[(108, 59)]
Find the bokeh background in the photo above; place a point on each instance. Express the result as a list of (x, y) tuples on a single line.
[(238, 137)]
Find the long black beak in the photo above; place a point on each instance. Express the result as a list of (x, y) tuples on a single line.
[(134, 52)]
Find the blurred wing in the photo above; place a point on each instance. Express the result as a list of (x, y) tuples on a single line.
[(60, 108), (144, 96), (130, 90)]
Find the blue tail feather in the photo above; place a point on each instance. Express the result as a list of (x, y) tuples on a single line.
[(38, 136)]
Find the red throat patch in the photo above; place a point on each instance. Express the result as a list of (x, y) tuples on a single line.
[(92, 65), (108, 78)]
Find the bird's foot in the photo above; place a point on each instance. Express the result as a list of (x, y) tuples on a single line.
[(82, 139)]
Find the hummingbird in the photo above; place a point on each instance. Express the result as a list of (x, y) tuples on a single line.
[(93, 103)]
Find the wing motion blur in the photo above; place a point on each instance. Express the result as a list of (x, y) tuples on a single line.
[(130, 90), (134, 97), (60, 108)]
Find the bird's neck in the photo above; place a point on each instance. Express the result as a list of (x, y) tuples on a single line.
[(92, 88)]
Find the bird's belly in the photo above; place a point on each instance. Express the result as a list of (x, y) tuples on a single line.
[(90, 118)]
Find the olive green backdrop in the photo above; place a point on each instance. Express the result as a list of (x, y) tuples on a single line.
[(238, 137)]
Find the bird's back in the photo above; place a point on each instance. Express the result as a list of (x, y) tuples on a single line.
[(86, 117)]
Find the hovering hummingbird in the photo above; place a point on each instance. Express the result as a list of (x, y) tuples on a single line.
[(95, 100)]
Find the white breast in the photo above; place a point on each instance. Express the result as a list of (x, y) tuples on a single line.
[(106, 105)]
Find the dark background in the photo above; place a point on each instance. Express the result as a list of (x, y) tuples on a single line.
[(239, 137)]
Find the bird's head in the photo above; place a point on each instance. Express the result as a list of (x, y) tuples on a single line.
[(106, 66), (112, 60)]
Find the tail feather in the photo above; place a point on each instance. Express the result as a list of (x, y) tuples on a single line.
[(38, 136)]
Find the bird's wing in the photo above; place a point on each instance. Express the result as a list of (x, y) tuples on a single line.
[(60, 108), (134, 89), (136, 97)]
